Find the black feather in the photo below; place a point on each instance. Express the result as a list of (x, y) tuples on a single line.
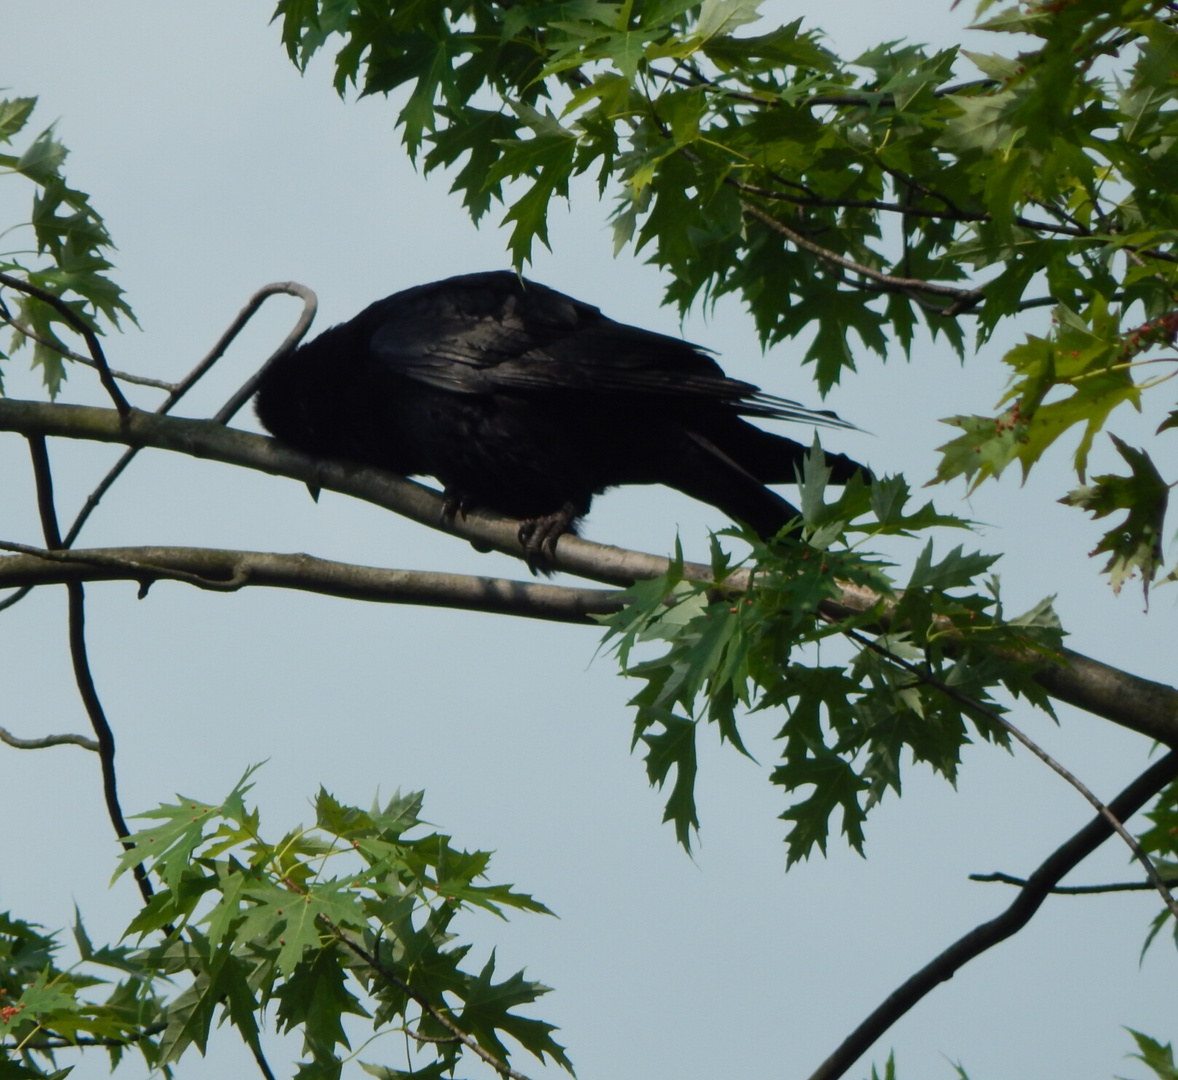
[(522, 400)]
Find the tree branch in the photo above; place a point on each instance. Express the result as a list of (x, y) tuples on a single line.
[(1076, 890), (1144, 706), (82, 675), (226, 571), (9, 739), (962, 299), (1064, 859)]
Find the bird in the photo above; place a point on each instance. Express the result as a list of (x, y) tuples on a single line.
[(521, 400)]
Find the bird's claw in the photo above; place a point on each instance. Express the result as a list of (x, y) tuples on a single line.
[(453, 504), (538, 536)]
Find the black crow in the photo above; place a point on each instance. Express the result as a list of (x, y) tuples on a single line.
[(524, 401)]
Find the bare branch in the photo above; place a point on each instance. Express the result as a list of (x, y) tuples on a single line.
[(1077, 890), (1062, 861), (9, 739), (106, 739), (223, 571)]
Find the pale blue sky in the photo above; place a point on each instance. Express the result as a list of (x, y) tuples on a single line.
[(219, 169)]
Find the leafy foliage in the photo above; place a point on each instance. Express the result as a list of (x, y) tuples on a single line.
[(853, 201), (245, 922), (70, 248), (45, 1009), (741, 640)]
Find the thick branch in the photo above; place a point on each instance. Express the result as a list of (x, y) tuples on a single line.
[(1147, 707)]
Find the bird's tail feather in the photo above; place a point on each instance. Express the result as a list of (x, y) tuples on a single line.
[(774, 459), (707, 473)]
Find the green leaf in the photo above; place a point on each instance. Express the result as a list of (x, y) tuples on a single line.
[(14, 114), (1135, 544), (1158, 1058), (952, 572), (487, 1011), (673, 748), (316, 997), (719, 18), (168, 848)]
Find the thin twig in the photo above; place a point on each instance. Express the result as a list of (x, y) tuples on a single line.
[(963, 298), (1061, 862), (86, 332), (907, 210), (102, 731), (77, 638), (77, 358), (7, 737), (62, 1043), (1077, 890), (260, 1059)]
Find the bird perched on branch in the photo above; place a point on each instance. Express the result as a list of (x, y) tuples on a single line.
[(524, 401)]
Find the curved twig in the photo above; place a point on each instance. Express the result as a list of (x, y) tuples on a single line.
[(290, 288), (44, 741)]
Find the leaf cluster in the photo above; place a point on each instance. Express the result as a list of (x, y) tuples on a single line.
[(753, 644), (244, 924), (69, 255), (46, 1009)]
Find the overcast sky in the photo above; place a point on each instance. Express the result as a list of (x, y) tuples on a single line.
[(219, 169)]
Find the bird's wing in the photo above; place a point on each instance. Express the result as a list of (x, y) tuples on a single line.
[(492, 333)]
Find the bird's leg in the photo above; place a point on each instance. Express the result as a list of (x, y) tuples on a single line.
[(538, 536)]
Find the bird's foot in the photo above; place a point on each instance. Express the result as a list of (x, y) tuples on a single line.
[(453, 504), (538, 536)]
